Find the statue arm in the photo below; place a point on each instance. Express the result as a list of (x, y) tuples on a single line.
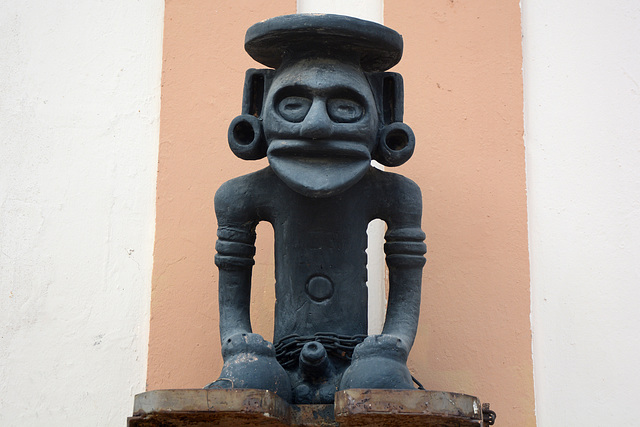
[(380, 360), (249, 360), (234, 258), (404, 248)]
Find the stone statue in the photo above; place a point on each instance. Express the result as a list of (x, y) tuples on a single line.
[(322, 111)]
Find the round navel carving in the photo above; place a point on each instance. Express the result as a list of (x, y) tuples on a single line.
[(319, 288)]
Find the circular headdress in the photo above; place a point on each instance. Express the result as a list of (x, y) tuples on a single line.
[(274, 40)]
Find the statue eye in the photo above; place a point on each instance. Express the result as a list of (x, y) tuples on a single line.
[(294, 108), (344, 110)]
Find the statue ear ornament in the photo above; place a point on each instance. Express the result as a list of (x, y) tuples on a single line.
[(396, 143), (246, 138), (396, 140)]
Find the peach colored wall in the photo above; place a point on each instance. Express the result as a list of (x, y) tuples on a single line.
[(202, 78), (463, 98)]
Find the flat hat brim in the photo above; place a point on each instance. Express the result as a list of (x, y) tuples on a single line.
[(269, 42)]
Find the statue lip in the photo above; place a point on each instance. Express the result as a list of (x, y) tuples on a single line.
[(319, 168), (318, 149)]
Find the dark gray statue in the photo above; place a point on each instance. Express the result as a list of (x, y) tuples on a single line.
[(322, 111)]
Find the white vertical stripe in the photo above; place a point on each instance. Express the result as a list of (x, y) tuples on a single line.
[(372, 10), (79, 125), (582, 121)]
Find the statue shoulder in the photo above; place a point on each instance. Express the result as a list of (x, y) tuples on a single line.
[(399, 199), (239, 197), (395, 187)]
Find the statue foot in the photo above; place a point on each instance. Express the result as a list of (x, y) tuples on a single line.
[(250, 362), (380, 361)]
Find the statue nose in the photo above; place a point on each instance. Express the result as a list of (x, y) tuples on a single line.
[(316, 124)]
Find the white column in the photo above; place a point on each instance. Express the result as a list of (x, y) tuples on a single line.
[(371, 10), (582, 121), (79, 124)]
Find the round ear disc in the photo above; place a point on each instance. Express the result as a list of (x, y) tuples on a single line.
[(246, 139), (396, 143)]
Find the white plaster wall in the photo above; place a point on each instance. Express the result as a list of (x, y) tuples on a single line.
[(582, 121), (79, 121)]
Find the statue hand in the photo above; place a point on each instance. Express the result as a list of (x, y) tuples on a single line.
[(246, 343), (379, 362), (383, 345), (250, 362)]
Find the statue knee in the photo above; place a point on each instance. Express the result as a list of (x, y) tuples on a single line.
[(250, 362), (380, 361)]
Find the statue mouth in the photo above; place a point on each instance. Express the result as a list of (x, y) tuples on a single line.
[(319, 168), (333, 150)]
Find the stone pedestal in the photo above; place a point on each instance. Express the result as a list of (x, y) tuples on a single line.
[(355, 407)]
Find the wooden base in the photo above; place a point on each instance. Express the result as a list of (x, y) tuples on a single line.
[(355, 407)]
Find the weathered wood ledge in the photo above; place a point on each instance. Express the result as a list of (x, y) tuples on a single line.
[(355, 407)]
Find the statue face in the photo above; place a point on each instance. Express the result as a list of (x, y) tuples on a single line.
[(320, 124)]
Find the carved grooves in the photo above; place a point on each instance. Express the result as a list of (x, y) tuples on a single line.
[(405, 247), (389, 99), (256, 85), (257, 95), (235, 249)]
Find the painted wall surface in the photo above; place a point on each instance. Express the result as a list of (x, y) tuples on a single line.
[(463, 99), (79, 120), (462, 69), (582, 117), (203, 74)]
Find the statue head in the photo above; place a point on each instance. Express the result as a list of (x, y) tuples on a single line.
[(327, 108)]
